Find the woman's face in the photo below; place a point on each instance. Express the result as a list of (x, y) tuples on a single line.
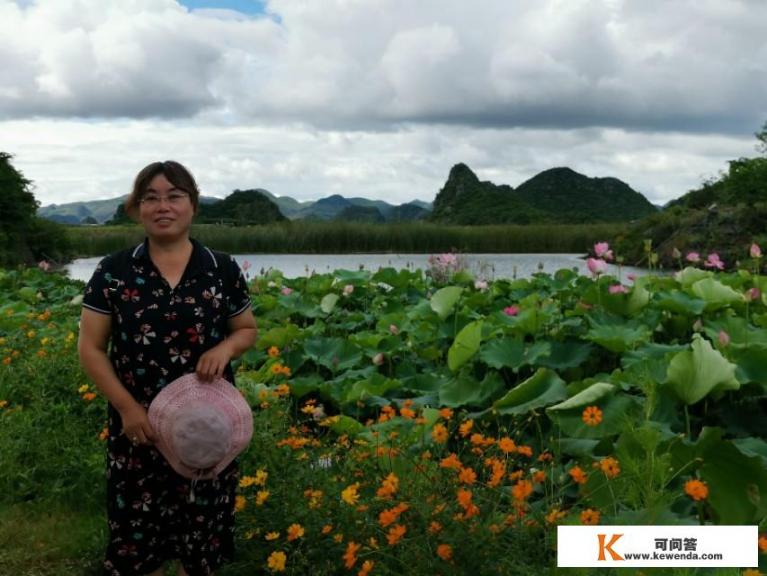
[(165, 211)]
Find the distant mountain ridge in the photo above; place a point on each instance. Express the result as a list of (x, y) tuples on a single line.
[(329, 208), (557, 195)]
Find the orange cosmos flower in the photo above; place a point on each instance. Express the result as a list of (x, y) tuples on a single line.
[(89, 396), (525, 451), (395, 534), (507, 445), (590, 517), (350, 556), (763, 543), (446, 413), (578, 475), (367, 566), (610, 467), (522, 490), (696, 490), (445, 551), (439, 433), (389, 486), (467, 476), (327, 528), (465, 428), (276, 561), (451, 461), (407, 413), (592, 416), (539, 477), (273, 352), (239, 503), (435, 527), (295, 531)]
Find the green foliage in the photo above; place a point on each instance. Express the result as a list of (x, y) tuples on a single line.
[(241, 208)]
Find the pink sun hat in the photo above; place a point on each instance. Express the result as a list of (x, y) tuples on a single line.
[(200, 427)]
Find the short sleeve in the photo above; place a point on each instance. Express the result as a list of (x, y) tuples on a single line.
[(96, 296), (237, 296)]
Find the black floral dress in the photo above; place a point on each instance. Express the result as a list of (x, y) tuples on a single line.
[(158, 334)]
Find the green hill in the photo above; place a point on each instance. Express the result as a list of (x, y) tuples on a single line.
[(724, 215), (241, 207), (559, 195), (369, 214)]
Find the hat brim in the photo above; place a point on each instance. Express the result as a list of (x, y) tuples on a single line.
[(190, 389)]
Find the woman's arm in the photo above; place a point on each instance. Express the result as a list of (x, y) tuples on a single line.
[(242, 335), (92, 347)]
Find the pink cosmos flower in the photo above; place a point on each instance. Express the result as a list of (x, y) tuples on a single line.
[(755, 251), (713, 261), (44, 265), (595, 266), (512, 310), (617, 289), (286, 291), (693, 257), (724, 338), (378, 359), (348, 289)]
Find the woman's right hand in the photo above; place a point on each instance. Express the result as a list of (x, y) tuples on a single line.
[(136, 426)]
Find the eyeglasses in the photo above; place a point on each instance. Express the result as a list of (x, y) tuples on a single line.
[(174, 199)]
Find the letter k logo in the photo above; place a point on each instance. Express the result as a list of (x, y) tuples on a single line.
[(609, 547)]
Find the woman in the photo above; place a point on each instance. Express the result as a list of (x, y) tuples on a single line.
[(170, 306)]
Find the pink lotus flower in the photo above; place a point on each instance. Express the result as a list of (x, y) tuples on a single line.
[(713, 261), (753, 294), (348, 289), (480, 285), (286, 291), (631, 276), (724, 338), (693, 257), (755, 251), (393, 329), (378, 359), (602, 250), (44, 265), (512, 310), (595, 266), (617, 289), (245, 265)]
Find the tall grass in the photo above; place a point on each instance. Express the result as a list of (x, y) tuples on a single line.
[(347, 237)]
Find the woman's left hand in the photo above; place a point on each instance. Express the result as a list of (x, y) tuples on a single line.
[(213, 362)]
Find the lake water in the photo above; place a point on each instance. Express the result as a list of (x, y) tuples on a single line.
[(486, 265)]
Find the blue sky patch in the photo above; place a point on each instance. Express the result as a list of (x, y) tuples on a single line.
[(253, 7)]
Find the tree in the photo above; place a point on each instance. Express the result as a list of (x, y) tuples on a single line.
[(762, 137), (17, 203)]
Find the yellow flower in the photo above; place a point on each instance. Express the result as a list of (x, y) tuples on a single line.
[(3, 403), (350, 494), (104, 434), (82, 389), (31, 334), (272, 536), (261, 497), (295, 531), (44, 341), (276, 561), (261, 476), (246, 481), (696, 490), (2, 341), (276, 368), (239, 503), (273, 352), (751, 572)]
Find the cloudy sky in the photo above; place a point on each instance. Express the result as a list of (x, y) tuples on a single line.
[(378, 98)]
